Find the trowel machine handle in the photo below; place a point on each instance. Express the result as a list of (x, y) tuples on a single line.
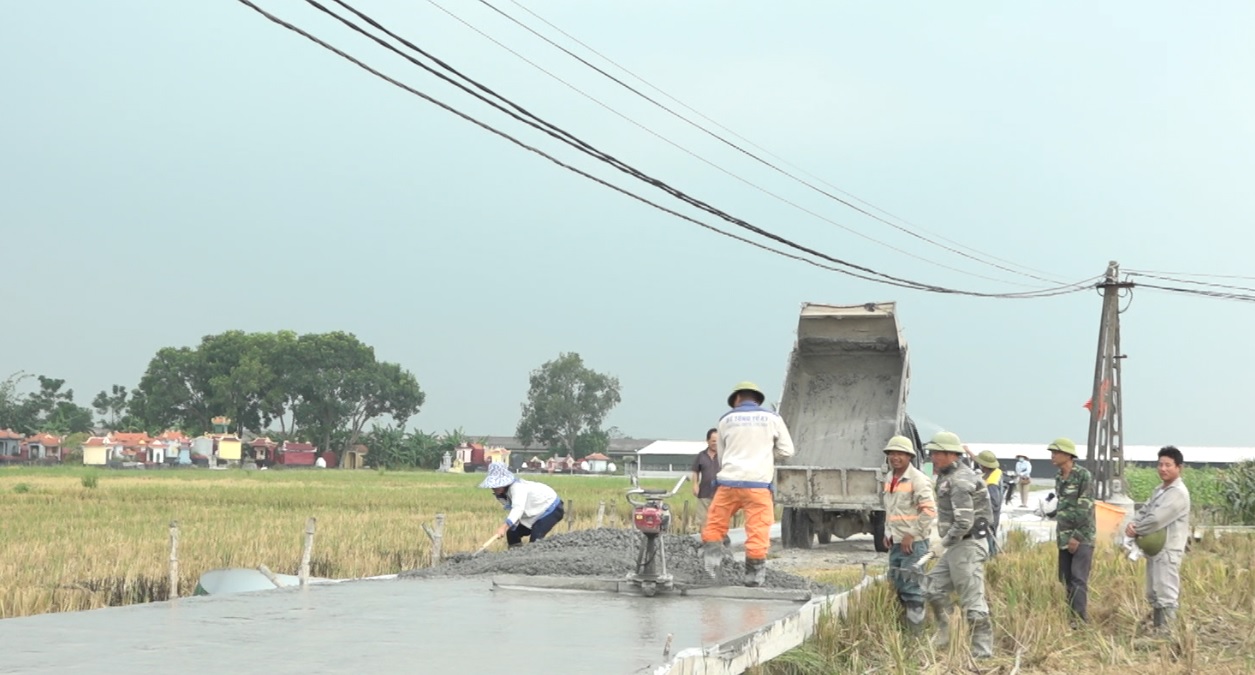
[(653, 495)]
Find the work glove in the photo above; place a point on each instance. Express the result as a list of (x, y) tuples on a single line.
[(937, 549)]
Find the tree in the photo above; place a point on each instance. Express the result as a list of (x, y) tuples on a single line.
[(48, 409), (111, 406), (174, 392), (566, 405)]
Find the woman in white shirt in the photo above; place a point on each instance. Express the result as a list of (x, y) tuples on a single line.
[(534, 508)]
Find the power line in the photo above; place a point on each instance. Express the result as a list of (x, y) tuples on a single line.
[(574, 142), (717, 167), (755, 157), (582, 146), (698, 157), (1178, 280), (1194, 274)]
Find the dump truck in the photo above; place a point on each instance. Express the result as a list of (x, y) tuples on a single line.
[(844, 397)]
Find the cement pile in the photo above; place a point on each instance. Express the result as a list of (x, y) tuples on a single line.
[(604, 553)]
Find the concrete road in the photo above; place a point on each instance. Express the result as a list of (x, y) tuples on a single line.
[(379, 627)]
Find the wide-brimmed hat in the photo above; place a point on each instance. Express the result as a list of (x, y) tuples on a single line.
[(747, 387), (987, 459), (1064, 445), (1021, 455), (900, 444), (945, 441), (498, 476)]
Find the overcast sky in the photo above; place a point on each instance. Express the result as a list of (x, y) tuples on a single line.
[(170, 170)]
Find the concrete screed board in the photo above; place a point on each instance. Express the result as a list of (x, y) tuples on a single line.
[(395, 626)]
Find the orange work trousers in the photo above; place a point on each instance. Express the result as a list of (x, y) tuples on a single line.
[(759, 515)]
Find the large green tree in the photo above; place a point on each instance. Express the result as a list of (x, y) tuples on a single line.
[(567, 402), (324, 387)]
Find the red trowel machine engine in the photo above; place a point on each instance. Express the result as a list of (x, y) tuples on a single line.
[(652, 517)]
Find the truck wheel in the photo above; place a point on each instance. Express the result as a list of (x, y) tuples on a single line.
[(801, 529), (878, 531), (824, 536)]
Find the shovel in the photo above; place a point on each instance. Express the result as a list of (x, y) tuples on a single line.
[(486, 545)]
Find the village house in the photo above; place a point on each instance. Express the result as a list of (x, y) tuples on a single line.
[(10, 445), (43, 446)]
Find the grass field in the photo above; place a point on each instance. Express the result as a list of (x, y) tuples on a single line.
[(68, 546), (1216, 633)]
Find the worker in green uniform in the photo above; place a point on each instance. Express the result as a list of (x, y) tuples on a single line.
[(1074, 524)]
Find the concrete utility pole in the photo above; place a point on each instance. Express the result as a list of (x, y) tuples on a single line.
[(1105, 454)]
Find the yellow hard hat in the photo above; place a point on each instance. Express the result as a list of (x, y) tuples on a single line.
[(900, 444), (749, 387)]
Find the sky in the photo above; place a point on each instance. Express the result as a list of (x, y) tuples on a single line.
[(174, 170)]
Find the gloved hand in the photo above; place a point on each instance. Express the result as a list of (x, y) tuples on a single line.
[(937, 549)]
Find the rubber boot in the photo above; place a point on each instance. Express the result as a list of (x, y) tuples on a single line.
[(755, 572), (982, 634), (941, 611), (1157, 620), (915, 618), (712, 558), (1169, 619)]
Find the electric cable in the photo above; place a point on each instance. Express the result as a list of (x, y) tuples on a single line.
[(578, 144)]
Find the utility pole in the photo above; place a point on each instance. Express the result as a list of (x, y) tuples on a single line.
[(1105, 454)]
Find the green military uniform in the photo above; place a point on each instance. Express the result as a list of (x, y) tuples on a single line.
[(1074, 519), (964, 519)]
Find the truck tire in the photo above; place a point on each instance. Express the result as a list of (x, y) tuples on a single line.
[(878, 531), (796, 529), (824, 536)]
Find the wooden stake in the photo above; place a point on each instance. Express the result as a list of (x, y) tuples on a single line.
[(174, 559), (437, 539), (309, 549), (684, 519), (270, 575), (601, 512), (570, 513)]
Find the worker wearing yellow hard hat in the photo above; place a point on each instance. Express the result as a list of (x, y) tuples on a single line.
[(750, 439)]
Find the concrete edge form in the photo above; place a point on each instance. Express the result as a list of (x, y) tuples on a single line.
[(739, 654), (519, 582)]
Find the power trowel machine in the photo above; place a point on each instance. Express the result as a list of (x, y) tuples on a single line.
[(652, 517)]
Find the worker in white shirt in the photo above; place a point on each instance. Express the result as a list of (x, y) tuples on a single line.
[(534, 508), (750, 439)]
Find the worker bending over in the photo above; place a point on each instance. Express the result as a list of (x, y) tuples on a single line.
[(534, 508), (751, 438)]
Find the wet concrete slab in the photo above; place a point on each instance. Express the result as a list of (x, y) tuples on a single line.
[(377, 627)]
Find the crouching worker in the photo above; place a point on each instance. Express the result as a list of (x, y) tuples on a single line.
[(751, 438), (534, 508), (909, 516), (963, 522)]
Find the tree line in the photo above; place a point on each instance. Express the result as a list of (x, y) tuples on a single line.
[(321, 387)]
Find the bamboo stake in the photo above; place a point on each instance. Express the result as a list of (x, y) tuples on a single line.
[(308, 549), (270, 575), (174, 559), (601, 512), (437, 539)]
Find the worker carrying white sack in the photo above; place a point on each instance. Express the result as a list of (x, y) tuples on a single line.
[(534, 508)]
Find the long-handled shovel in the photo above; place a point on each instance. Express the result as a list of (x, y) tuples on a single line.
[(486, 545)]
